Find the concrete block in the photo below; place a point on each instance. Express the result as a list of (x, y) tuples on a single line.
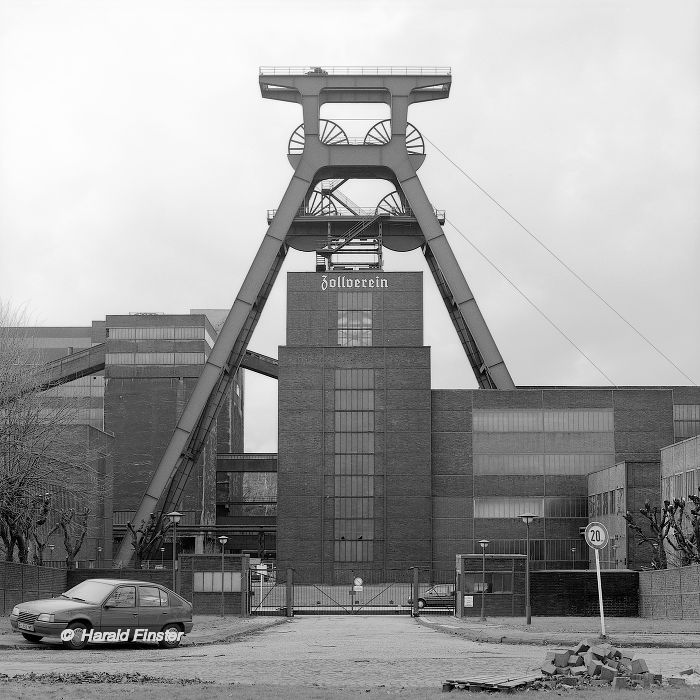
[(688, 672), (575, 660), (607, 673), (561, 658), (646, 682), (588, 657), (612, 663), (657, 678), (676, 681), (594, 668), (579, 671), (581, 648), (562, 670), (599, 652), (639, 666), (549, 656), (548, 668), (619, 683)]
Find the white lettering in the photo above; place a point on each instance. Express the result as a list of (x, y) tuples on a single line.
[(343, 282)]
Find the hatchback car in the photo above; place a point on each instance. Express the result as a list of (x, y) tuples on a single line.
[(438, 596), (106, 610)]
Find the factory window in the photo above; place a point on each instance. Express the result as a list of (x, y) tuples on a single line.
[(536, 420), (210, 581), (354, 508), (155, 358), (564, 507), (686, 420), (690, 483), (354, 421), (576, 464), (619, 501), (678, 486), (506, 507), (354, 551), (354, 443), (354, 486), (160, 333), (354, 464), (354, 400), (508, 464), (354, 319), (496, 582), (354, 530)]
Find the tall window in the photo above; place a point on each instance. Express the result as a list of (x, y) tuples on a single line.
[(354, 319), (354, 465)]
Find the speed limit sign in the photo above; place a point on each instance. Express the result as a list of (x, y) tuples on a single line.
[(596, 535)]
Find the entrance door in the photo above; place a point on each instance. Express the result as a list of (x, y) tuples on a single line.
[(119, 611)]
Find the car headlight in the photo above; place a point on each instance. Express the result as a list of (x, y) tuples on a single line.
[(15, 611), (45, 617)]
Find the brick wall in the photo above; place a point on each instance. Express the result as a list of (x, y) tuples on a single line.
[(670, 593), (575, 593), (21, 582)]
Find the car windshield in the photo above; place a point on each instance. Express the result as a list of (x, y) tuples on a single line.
[(89, 591)]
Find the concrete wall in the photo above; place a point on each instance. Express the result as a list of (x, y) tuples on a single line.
[(670, 593), (20, 582)]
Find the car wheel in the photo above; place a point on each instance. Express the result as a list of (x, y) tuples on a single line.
[(171, 637), (33, 638), (77, 639), (421, 603)]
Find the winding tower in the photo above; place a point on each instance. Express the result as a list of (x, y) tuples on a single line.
[(315, 216)]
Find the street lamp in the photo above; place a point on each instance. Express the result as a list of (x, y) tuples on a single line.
[(484, 544), (51, 548), (99, 556), (174, 519), (573, 554), (162, 552), (223, 540), (614, 552), (527, 518)]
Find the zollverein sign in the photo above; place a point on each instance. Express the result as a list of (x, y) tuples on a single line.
[(343, 282)]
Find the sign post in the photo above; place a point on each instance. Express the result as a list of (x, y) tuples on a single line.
[(596, 538)]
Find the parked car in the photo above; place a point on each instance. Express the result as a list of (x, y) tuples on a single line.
[(437, 596), (106, 610)]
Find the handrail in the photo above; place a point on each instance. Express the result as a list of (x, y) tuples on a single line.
[(320, 71), (361, 212)]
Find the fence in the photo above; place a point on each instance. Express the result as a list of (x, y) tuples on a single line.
[(670, 593), (20, 582)]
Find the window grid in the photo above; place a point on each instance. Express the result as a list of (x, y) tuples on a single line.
[(547, 506), (158, 333), (155, 358), (536, 420), (355, 319)]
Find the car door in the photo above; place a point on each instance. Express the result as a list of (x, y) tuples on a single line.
[(152, 614), (119, 611)]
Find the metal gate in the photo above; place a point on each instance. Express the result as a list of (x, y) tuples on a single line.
[(362, 593)]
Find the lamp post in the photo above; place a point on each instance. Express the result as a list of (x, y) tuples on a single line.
[(527, 518), (614, 553), (223, 540), (484, 544), (99, 556), (162, 552), (51, 548), (174, 519), (573, 554)]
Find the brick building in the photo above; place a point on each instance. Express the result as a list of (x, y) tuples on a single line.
[(379, 472)]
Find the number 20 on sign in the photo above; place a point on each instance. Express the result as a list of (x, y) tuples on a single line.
[(596, 538)]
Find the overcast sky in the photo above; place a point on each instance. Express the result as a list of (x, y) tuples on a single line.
[(137, 161)]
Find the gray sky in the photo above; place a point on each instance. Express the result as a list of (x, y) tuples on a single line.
[(137, 160)]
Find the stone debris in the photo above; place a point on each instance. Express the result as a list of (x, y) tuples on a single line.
[(594, 663), (97, 677)]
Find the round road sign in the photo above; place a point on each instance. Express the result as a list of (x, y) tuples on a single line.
[(596, 535), (358, 581)]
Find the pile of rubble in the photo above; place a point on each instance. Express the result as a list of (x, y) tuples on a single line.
[(598, 664)]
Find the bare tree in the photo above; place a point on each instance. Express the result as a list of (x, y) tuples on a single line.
[(147, 536), (670, 531), (47, 465)]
